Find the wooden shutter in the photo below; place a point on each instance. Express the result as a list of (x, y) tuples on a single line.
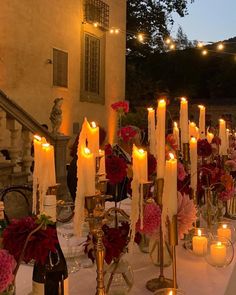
[(60, 68)]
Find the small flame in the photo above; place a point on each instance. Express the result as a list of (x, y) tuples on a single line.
[(171, 156), (175, 124), (183, 99), (219, 243), (87, 151), (141, 151), (222, 120), (170, 293), (45, 145), (150, 109), (201, 106), (37, 137), (199, 232), (193, 124), (162, 101), (193, 139), (224, 225), (93, 124)]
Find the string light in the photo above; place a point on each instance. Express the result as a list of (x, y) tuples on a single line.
[(140, 37), (220, 46), (168, 41), (204, 52), (95, 25), (200, 44), (172, 46)]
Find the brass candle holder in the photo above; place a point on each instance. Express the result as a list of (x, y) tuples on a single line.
[(173, 240), (160, 282), (96, 219)]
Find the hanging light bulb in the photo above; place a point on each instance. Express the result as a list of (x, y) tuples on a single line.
[(204, 52), (140, 37), (220, 46), (200, 44)]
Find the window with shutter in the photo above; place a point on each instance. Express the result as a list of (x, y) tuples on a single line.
[(60, 68)]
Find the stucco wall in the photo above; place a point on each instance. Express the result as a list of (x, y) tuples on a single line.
[(29, 30)]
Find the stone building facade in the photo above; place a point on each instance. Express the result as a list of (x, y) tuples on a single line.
[(73, 49)]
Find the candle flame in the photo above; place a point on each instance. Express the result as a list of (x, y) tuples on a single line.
[(170, 293), (37, 137), (218, 243), (199, 232), (224, 225), (193, 124), (227, 129), (162, 102), (183, 99), (150, 109), (87, 151), (175, 124), (93, 124), (45, 145), (201, 106), (171, 156), (141, 151), (221, 120), (193, 139)]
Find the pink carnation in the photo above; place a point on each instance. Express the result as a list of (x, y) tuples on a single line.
[(187, 214), (151, 219), (121, 106), (226, 195), (7, 265), (181, 171)]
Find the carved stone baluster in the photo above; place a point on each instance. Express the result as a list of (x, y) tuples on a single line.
[(14, 150), (27, 158)]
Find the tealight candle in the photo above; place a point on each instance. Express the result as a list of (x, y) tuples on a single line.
[(224, 231), (199, 244), (218, 254)]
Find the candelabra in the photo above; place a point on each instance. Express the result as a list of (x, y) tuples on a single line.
[(160, 282)]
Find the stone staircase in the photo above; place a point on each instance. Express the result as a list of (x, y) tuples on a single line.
[(17, 128)]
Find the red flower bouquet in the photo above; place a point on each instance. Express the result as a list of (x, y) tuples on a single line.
[(40, 243), (121, 106), (204, 149)]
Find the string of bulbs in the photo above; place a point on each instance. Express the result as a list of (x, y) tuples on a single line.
[(171, 43)]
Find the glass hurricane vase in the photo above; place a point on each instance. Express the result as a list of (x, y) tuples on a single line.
[(119, 277)]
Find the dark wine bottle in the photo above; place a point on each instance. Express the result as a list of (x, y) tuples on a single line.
[(52, 277)]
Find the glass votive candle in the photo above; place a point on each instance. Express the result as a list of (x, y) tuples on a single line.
[(220, 251), (226, 230), (169, 291), (199, 242)]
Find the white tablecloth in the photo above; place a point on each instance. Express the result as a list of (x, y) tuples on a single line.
[(195, 276)]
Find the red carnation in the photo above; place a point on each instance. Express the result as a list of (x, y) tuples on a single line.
[(121, 106), (116, 169)]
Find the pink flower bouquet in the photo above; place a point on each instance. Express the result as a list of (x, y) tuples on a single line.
[(7, 266)]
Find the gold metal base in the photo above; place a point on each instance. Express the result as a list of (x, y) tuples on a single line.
[(159, 283)]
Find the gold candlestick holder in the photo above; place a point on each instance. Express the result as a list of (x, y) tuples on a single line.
[(160, 282), (96, 218), (173, 240)]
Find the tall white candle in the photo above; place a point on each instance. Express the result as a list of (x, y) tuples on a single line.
[(102, 166), (176, 134), (139, 158), (184, 120), (202, 119), (227, 137), (170, 186), (193, 161), (37, 170), (192, 129), (160, 143), (151, 130), (222, 135)]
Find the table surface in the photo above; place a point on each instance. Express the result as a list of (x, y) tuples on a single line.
[(194, 275)]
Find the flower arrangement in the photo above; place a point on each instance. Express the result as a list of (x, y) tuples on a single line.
[(116, 169), (121, 106), (126, 133), (7, 266), (40, 243), (115, 241)]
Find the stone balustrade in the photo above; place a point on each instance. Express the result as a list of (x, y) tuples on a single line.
[(16, 136)]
